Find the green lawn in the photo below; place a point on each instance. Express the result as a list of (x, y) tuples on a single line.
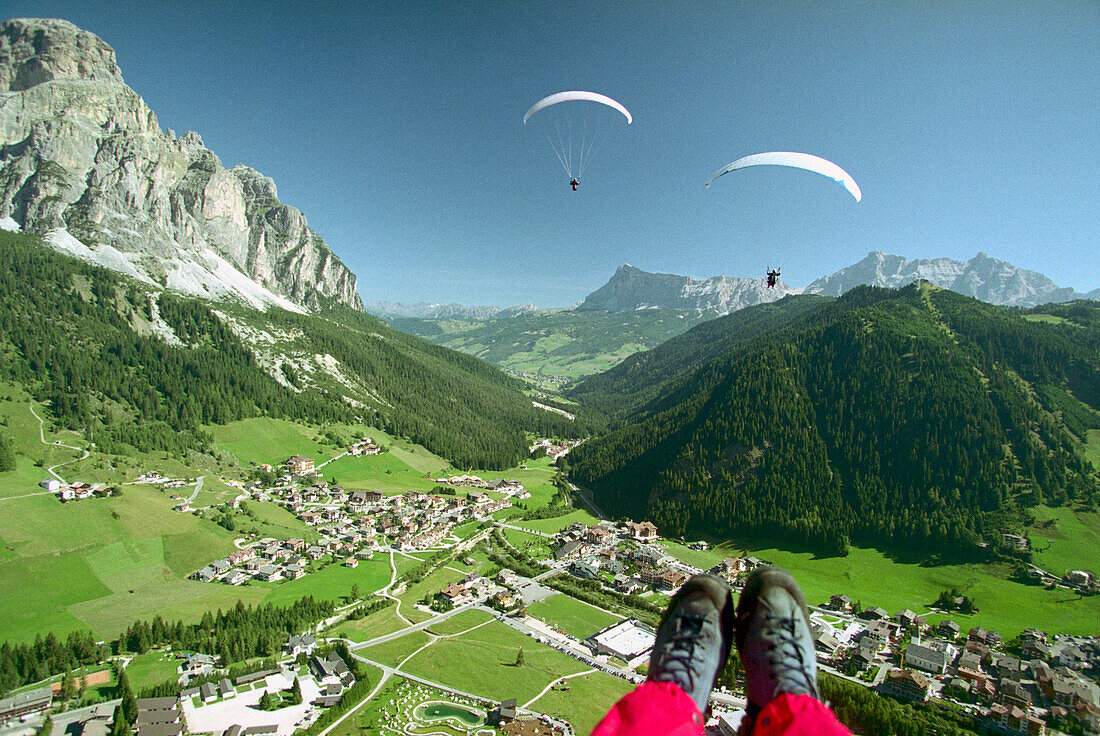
[(534, 545), (556, 524), (369, 627), (396, 650), (334, 582), (1063, 539), (574, 617), (482, 662), (872, 578), (152, 668), (433, 583), (271, 441), (1092, 448), (587, 700), (460, 622)]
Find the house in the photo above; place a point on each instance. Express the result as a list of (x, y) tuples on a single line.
[(1015, 541), (907, 685), (25, 704), (268, 573), (304, 644), (1014, 721), (204, 575), (840, 602), (331, 669), (643, 532), (225, 688), (197, 665), (299, 464), (53, 485), (875, 613), (293, 571), (581, 569), (504, 713), (925, 658), (948, 629)]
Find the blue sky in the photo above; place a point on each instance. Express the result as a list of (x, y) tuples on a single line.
[(397, 129)]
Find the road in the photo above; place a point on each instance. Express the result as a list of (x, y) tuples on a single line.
[(42, 437)]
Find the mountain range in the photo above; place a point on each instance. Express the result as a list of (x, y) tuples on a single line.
[(84, 163), (914, 417)]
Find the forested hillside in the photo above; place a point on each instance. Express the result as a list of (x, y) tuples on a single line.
[(91, 344), (917, 417), (556, 347), (640, 377)]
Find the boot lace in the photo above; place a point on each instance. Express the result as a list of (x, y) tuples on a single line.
[(787, 654), (683, 652)]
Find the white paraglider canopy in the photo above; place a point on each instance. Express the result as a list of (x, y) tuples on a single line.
[(575, 95), (799, 161), (570, 132)]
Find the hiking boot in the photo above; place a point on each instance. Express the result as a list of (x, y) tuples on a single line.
[(774, 639), (694, 638)]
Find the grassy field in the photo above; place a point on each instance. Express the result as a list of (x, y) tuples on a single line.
[(872, 578), (334, 582), (585, 702), (1064, 539), (556, 524), (534, 545), (393, 652), (483, 662), (460, 622), (1092, 448), (152, 668), (571, 616), (369, 627)]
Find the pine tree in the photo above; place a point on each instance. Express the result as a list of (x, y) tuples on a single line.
[(296, 692), (519, 657), (128, 708), (68, 689), (119, 727), (355, 591)]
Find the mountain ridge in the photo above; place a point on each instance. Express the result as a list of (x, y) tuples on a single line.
[(84, 161)]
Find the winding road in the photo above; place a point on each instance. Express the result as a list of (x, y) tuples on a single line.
[(42, 437)]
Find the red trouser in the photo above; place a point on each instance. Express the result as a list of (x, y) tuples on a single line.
[(663, 709)]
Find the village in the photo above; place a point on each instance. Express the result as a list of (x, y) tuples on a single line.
[(1024, 686)]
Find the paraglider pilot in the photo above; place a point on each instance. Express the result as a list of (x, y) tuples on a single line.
[(773, 276), (573, 183)]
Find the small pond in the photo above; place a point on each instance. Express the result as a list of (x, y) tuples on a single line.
[(438, 711)]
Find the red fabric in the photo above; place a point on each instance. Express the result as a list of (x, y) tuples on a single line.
[(652, 709), (663, 709), (798, 715)]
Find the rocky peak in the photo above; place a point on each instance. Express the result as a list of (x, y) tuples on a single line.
[(83, 160), (989, 279), (632, 288), (37, 50)]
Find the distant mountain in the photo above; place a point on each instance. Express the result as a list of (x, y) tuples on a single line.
[(84, 162), (428, 310), (917, 418), (982, 277), (631, 288)]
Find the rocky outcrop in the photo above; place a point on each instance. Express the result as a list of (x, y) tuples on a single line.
[(982, 277), (81, 155), (632, 288)]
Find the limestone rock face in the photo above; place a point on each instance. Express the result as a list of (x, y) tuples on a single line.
[(632, 288), (81, 155), (982, 277)]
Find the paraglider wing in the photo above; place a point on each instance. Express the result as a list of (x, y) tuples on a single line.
[(577, 95), (799, 161)]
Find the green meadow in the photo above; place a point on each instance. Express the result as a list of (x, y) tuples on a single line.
[(574, 617), (873, 578)]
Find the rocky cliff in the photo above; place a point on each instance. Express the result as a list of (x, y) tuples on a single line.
[(83, 160), (982, 277), (632, 288)]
